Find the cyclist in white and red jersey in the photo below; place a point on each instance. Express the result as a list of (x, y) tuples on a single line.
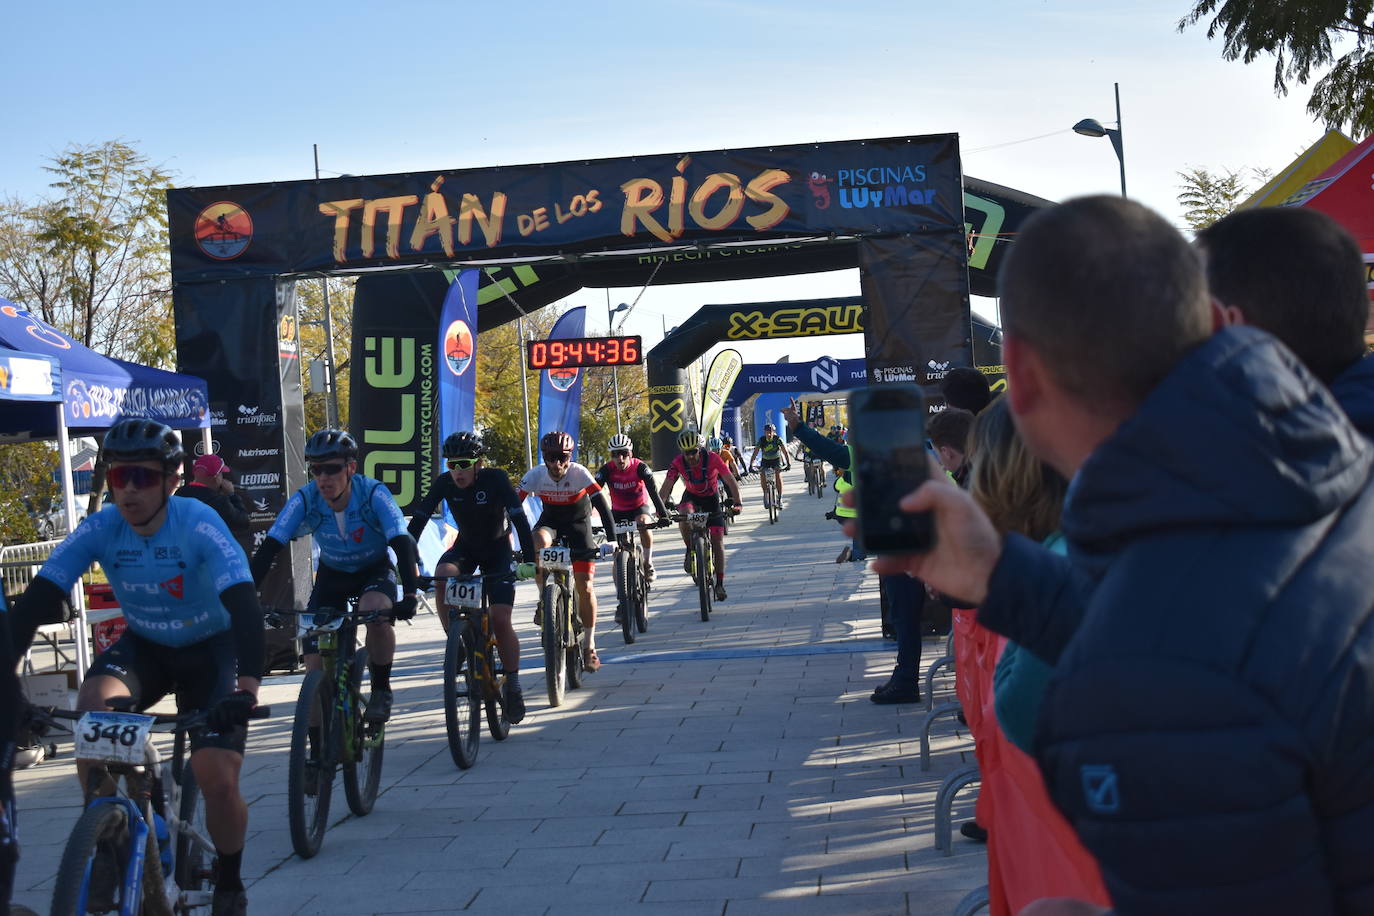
[(568, 492), (631, 485), (700, 471)]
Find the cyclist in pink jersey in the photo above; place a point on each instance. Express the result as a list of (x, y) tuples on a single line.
[(631, 485), (700, 470)]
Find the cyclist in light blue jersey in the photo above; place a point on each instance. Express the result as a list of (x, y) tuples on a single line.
[(354, 519), (194, 624)]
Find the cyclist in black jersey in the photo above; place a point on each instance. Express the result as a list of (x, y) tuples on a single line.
[(774, 453), (485, 507)]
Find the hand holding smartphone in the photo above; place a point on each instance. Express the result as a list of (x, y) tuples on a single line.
[(888, 439)]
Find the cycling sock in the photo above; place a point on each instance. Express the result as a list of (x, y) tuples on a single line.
[(720, 578), (381, 676), (227, 876), (591, 637), (513, 678)]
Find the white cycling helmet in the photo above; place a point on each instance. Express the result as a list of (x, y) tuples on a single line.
[(621, 442)]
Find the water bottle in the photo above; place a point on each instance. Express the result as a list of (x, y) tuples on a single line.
[(164, 843)]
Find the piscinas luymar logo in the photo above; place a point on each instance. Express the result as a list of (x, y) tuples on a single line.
[(223, 230), (883, 186)]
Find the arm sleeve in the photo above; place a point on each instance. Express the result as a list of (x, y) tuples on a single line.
[(520, 522), (603, 506), (245, 622), (648, 477), (602, 476), (420, 517), (261, 564), (1035, 597), (406, 554), (41, 603), (826, 449)]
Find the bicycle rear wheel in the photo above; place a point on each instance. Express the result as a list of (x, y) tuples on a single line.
[(192, 869), (362, 770), (311, 766), (97, 858), (573, 627), (625, 593), (641, 598), (462, 710), (497, 723), (552, 638), (704, 582)]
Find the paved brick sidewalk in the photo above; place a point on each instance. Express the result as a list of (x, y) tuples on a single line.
[(734, 767)]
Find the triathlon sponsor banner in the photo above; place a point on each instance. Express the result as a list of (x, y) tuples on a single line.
[(902, 184), (720, 378), (560, 390), (458, 344), (394, 390)]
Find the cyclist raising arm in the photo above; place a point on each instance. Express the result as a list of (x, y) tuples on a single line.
[(194, 625), (700, 470), (631, 485), (485, 507), (568, 491), (354, 519), (770, 446)]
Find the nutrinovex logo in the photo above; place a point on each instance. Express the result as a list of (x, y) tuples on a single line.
[(258, 452)]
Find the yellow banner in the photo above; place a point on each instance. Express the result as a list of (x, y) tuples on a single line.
[(1310, 163)]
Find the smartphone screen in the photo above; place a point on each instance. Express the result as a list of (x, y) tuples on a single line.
[(887, 433)]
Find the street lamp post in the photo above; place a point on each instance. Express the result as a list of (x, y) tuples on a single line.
[(615, 370), (1090, 127)]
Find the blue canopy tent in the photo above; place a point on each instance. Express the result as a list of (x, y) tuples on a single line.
[(83, 393)]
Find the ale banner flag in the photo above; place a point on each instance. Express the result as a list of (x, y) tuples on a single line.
[(720, 378), (458, 343), (560, 390)]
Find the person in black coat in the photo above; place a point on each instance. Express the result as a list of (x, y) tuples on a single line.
[(211, 485), (1207, 727)]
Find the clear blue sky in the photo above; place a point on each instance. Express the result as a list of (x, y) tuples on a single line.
[(238, 93)]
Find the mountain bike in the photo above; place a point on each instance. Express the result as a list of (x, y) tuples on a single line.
[(631, 585), (119, 837), (702, 558), (561, 633), (472, 677), (329, 731), (770, 494)]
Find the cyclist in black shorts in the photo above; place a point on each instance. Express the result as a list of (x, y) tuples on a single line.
[(194, 624), (774, 453), (568, 491), (353, 519), (485, 508)]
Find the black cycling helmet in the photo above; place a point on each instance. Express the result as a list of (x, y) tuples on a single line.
[(331, 443), (556, 443), (464, 445), (140, 439)]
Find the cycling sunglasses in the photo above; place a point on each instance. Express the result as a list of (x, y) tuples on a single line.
[(133, 476), (557, 456), (621, 453), (325, 470), (461, 463)]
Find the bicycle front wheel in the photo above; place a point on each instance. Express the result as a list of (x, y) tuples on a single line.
[(552, 638), (625, 593), (573, 627), (91, 877), (310, 769), (641, 597), (462, 710), (362, 769), (704, 582)]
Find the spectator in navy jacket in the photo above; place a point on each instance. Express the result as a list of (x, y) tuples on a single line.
[(1209, 727), (1299, 275)]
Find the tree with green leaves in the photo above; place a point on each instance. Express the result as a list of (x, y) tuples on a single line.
[(1207, 196), (26, 487), (310, 318), (1304, 38), (91, 259)]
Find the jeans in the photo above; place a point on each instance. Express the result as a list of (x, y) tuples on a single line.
[(905, 599)]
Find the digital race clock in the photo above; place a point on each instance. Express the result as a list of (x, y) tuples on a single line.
[(572, 352)]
